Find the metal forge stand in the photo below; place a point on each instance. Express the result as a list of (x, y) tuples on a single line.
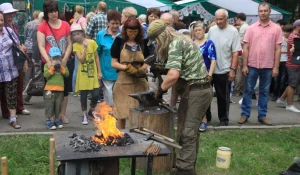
[(77, 163)]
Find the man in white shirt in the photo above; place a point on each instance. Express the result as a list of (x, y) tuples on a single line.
[(243, 26)]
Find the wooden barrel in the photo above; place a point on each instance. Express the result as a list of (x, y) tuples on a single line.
[(160, 121)]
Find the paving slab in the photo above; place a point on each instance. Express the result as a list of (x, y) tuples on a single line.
[(35, 122)]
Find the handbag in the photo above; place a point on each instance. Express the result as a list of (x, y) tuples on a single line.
[(37, 83), (296, 54), (18, 55)]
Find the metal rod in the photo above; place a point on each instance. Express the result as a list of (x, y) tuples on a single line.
[(149, 165), (133, 165)]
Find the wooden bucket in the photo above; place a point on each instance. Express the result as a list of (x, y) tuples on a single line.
[(160, 121)]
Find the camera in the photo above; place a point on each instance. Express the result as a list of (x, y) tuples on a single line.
[(57, 68)]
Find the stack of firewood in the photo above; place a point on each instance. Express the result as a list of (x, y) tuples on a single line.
[(152, 149)]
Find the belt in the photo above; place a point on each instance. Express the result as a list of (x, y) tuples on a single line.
[(195, 87)]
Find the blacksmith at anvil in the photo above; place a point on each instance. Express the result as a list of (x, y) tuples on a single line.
[(187, 71)]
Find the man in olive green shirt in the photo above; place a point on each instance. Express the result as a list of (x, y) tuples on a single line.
[(187, 71)]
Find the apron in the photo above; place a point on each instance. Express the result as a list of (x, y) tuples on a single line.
[(127, 84)]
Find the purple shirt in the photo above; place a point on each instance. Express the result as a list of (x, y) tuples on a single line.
[(8, 70)]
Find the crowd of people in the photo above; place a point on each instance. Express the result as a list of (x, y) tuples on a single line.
[(101, 55)]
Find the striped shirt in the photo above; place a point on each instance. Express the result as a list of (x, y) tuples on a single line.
[(96, 24), (8, 70), (289, 46)]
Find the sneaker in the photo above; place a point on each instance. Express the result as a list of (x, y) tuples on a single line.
[(27, 103), (84, 120), (50, 125), (233, 102), (58, 124), (281, 101), (25, 112), (241, 101), (292, 108), (91, 114), (203, 126)]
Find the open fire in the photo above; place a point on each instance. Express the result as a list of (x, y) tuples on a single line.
[(108, 133)]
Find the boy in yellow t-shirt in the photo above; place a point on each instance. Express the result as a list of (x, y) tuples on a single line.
[(88, 72)]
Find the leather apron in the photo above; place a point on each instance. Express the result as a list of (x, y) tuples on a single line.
[(127, 84)]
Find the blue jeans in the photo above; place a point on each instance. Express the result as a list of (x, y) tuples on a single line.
[(265, 77)]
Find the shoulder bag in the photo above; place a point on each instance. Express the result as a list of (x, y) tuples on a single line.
[(296, 54), (18, 55)]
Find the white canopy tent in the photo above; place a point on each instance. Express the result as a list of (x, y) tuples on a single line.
[(249, 7), (151, 4)]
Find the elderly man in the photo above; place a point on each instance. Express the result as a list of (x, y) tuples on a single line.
[(227, 42), (168, 19), (142, 19), (175, 15), (97, 22), (261, 58), (128, 12)]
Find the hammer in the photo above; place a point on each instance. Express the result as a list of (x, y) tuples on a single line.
[(144, 133), (153, 137), (157, 134)]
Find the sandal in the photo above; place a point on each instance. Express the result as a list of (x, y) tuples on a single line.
[(64, 120), (15, 125)]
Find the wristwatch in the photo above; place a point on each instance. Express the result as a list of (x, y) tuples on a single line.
[(234, 69)]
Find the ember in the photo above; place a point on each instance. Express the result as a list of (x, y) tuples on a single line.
[(118, 141), (83, 144), (108, 133)]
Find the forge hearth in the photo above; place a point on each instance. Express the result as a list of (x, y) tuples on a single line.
[(82, 160), (82, 143)]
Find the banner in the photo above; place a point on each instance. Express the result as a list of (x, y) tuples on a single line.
[(201, 11)]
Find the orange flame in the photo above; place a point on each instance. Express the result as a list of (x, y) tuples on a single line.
[(106, 124)]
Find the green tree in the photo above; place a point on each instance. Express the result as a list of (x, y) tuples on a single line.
[(287, 5)]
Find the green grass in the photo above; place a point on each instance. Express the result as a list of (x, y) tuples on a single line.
[(255, 152)]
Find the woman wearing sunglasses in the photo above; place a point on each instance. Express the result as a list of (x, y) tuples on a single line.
[(128, 59)]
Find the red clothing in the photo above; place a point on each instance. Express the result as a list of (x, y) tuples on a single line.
[(262, 42), (61, 36), (290, 41)]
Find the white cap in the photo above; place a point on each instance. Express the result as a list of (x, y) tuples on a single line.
[(7, 8)]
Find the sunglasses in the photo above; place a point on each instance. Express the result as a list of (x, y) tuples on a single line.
[(132, 32)]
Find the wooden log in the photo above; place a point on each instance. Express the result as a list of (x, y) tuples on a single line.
[(4, 168), (52, 156), (160, 121)]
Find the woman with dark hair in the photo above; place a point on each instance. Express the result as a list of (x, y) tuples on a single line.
[(152, 14), (8, 72), (54, 32), (128, 59), (105, 39)]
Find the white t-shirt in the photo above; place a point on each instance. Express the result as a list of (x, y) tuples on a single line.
[(284, 56), (227, 41), (242, 31)]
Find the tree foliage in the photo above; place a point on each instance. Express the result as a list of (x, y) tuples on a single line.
[(288, 5)]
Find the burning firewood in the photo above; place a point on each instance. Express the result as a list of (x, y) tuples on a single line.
[(108, 133)]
